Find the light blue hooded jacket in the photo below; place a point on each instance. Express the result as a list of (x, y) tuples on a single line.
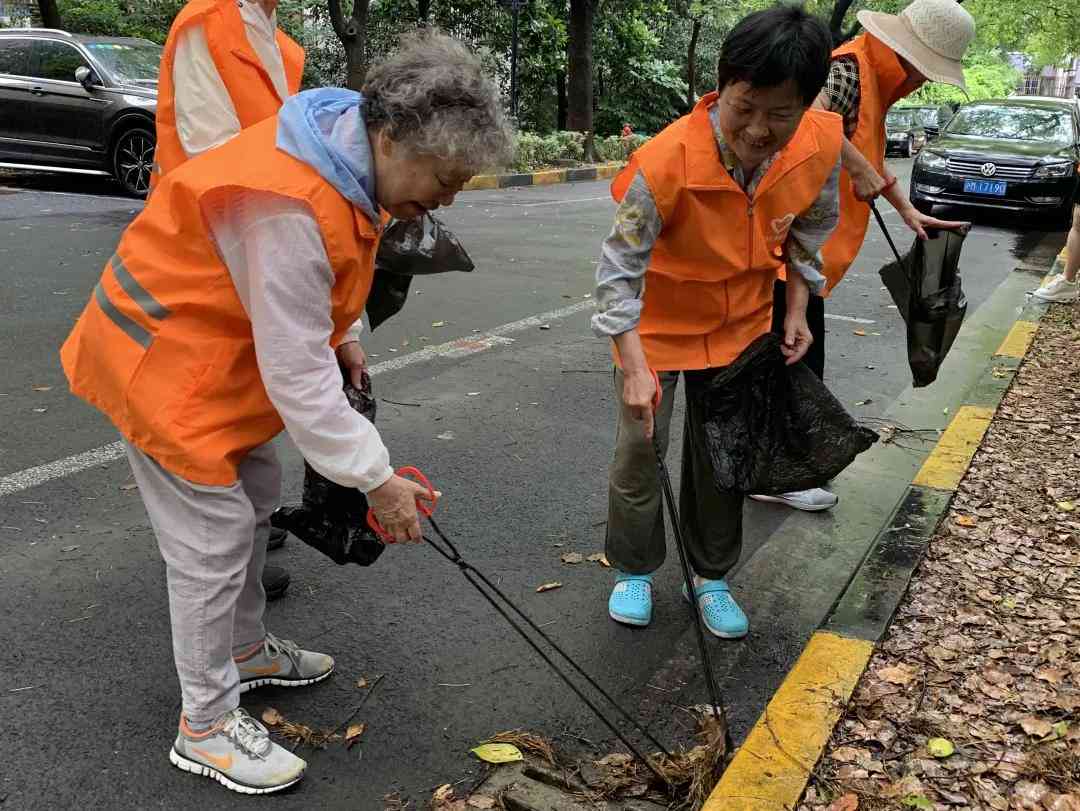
[(325, 129)]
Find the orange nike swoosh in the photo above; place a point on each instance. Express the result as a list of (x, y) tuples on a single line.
[(262, 670), (223, 762)]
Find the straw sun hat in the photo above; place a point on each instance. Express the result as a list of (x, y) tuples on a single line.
[(930, 34)]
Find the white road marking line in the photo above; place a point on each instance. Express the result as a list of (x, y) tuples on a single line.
[(85, 196), (850, 318), (458, 348), (559, 202)]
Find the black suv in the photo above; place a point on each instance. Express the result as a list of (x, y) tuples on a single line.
[(76, 103), (1017, 154)]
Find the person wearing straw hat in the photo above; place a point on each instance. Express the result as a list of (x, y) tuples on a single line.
[(897, 54)]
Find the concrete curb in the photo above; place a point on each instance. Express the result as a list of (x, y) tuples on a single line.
[(548, 177), (772, 767)]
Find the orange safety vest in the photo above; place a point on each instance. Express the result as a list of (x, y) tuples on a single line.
[(709, 285), (250, 86), (880, 78), (164, 347)]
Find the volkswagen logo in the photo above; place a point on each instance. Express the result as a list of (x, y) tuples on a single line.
[(988, 169)]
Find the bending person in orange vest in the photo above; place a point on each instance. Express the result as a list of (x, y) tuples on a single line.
[(226, 66), (895, 57), (202, 348), (709, 210)]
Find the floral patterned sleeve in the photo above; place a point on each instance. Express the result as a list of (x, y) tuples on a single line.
[(624, 258), (810, 230)]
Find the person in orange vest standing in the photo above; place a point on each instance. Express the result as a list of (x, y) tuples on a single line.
[(226, 65), (895, 56), (213, 328), (709, 210)]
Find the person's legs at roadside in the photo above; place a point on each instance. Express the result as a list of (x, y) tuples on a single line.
[(206, 536), (818, 498), (1064, 288), (712, 530), (261, 657), (635, 544)]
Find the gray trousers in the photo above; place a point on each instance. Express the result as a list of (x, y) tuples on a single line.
[(213, 540), (711, 519)]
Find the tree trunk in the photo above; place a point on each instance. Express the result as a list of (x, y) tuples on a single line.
[(560, 102), (691, 64), (836, 22), (352, 31), (50, 14), (579, 52)]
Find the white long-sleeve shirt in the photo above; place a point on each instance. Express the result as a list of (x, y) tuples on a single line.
[(274, 251), (205, 114)]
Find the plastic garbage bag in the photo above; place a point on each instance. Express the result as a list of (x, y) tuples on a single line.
[(330, 517), (926, 287), (408, 248), (770, 428)]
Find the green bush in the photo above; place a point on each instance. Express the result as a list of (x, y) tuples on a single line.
[(542, 151)]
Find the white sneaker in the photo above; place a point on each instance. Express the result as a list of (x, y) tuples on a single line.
[(1059, 290), (238, 753), (281, 662), (811, 501)]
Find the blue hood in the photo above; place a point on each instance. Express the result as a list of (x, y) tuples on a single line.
[(325, 129)]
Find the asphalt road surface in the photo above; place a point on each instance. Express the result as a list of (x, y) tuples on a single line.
[(514, 423)]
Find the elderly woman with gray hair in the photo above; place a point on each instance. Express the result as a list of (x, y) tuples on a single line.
[(215, 325)]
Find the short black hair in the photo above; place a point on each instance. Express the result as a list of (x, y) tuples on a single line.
[(769, 47)]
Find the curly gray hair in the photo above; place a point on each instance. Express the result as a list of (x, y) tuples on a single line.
[(433, 97)]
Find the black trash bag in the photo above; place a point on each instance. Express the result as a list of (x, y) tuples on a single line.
[(410, 248), (926, 288), (770, 428), (333, 518)]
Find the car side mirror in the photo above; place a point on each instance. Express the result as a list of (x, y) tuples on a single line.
[(85, 76)]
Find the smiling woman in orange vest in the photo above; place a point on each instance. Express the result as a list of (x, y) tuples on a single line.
[(896, 56), (213, 328), (709, 210)]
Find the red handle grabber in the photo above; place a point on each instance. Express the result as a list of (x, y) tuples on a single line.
[(413, 474)]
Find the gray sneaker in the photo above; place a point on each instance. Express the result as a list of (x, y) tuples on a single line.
[(238, 753), (281, 662)]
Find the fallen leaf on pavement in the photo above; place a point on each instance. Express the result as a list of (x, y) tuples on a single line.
[(1066, 506), (848, 802), (599, 557), (498, 753), (860, 332), (1054, 675), (362, 683), (896, 675), (128, 486), (353, 733), (1038, 727), (965, 521), (549, 587), (438, 323), (443, 793), (480, 801), (940, 747), (572, 557), (917, 801), (272, 717), (42, 388), (614, 759)]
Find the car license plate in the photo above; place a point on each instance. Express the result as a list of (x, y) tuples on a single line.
[(994, 187)]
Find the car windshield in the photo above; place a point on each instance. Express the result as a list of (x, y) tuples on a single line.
[(928, 117), (1019, 123), (129, 62), (900, 119)]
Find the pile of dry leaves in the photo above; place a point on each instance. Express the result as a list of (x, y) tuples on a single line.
[(973, 699)]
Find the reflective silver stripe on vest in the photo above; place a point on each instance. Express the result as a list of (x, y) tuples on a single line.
[(139, 294), (133, 329)]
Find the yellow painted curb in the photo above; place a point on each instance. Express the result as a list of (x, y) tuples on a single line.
[(549, 177), (608, 170), (482, 182), (771, 768), (949, 460), (1018, 340)]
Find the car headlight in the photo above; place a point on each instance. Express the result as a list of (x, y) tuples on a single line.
[(1055, 170), (932, 160)]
